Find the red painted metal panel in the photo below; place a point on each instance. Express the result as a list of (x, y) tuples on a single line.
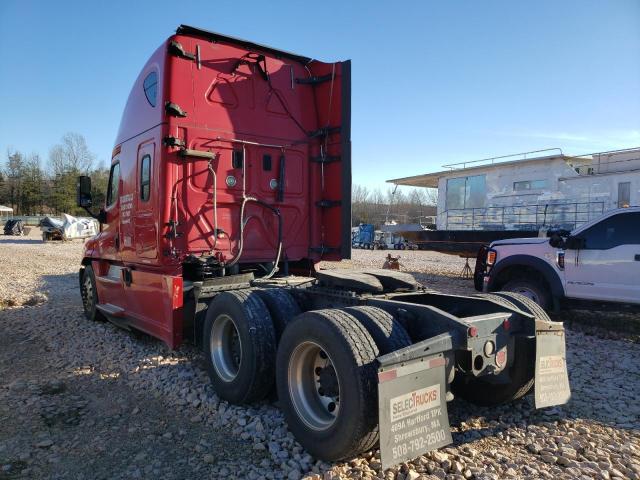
[(268, 108), (154, 305)]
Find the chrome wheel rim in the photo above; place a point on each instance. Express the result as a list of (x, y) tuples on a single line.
[(87, 288), (314, 386), (226, 349), (530, 294)]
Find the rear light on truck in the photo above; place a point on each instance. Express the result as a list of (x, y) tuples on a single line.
[(491, 257), (560, 260)]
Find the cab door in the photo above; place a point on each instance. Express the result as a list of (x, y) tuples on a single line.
[(145, 228), (108, 270), (608, 267)]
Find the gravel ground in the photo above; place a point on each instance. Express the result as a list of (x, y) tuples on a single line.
[(81, 400)]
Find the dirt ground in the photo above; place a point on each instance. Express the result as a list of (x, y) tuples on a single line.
[(82, 400)]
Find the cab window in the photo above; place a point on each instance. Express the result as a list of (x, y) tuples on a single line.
[(114, 184), (620, 229), (150, 86), (145, 178)]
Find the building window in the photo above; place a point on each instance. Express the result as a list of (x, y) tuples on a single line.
[(145, 178), (530, 185), (466, 192), (150, 86), (624, 194), (114, 184)]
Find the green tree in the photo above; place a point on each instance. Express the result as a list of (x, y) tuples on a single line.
[(31, 194), (13, 173), (99, 181), (4, 197)]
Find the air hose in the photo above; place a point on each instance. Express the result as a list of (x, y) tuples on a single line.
[(242, 225)]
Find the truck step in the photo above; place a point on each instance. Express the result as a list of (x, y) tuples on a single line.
[(111, 310)]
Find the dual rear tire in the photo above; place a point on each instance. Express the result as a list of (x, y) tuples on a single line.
[(240, 346), (327, 377), (519, 375), (322, 363)]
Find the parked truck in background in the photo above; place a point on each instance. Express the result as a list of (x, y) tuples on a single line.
[(230, 181), (598, 262), (364, 236)]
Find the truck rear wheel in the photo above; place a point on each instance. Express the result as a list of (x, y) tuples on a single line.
[(240, 346), (326, 379), (385, 331), (89, 295), (488, 391), (282, 308)]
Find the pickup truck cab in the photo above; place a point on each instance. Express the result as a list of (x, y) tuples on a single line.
[(598, 261)]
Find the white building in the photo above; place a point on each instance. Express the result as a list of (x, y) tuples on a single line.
[(524, 192), (5, 213)]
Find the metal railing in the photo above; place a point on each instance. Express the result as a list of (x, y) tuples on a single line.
[(491, 160), (523, 217)]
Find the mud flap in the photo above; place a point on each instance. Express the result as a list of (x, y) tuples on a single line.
[(551, 378), (412, 409)]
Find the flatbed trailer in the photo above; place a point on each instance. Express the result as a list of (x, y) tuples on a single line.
[(230, 181)]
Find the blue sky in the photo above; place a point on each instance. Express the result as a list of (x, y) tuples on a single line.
[(433, 82)]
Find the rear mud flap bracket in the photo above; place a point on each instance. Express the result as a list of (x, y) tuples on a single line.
[(412, 409), (551, 378)]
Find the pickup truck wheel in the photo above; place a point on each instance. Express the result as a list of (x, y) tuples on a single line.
[(526, 304), (386, 331), (240, 346), (282, 308), (326, 379), (531, 289), (89, 295), (521, 373)]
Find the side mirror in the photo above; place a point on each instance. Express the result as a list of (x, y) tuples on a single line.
[(84, 192), (574, 243), (556, 241)]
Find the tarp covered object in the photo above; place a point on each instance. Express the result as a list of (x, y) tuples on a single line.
[(48, 222), (73, 227), (14, 227), (69, 227)]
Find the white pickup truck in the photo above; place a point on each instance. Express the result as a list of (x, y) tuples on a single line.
[(598, 262)]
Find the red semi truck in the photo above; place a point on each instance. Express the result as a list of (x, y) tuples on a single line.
[(230, 181)]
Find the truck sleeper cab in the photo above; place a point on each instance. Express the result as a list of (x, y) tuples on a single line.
[(230, 180)]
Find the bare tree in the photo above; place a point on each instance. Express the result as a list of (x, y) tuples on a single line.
[(400, 204), (359, 194), (71, 155)]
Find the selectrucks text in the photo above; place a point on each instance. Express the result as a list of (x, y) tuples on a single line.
[(230, 182), (415, 402)]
